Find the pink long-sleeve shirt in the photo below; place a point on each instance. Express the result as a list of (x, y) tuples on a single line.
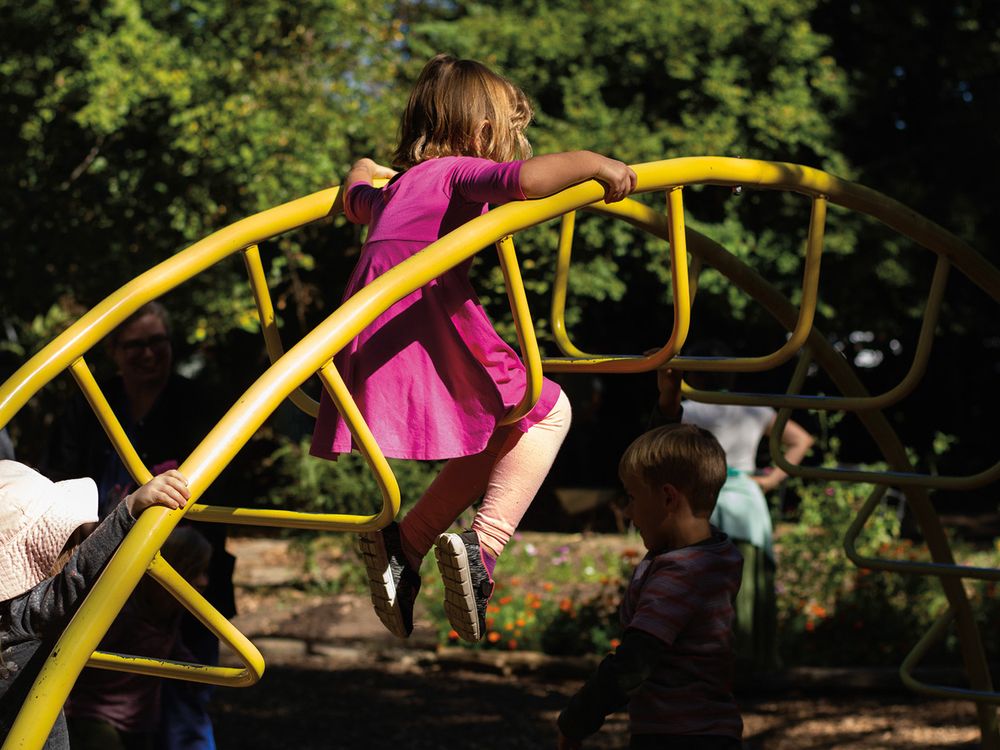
[(430, 375)]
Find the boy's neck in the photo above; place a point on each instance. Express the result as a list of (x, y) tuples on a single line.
[(689, 531)]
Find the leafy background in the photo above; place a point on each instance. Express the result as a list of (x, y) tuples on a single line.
[(131, 129)]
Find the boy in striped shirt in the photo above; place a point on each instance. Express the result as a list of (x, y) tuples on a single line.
[(674, 666)]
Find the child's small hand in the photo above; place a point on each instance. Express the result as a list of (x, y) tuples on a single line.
[(617, 177), (375, 170), (168, 489)]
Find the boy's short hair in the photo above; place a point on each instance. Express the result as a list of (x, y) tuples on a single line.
[(684, 455)]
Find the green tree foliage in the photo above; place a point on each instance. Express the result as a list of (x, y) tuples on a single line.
[(133, 128)]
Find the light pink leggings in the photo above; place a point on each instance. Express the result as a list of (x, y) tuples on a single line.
[(506, 474)]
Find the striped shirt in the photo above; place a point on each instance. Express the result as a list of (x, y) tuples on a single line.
[(684, 599)]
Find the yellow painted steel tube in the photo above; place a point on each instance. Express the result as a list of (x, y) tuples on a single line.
[(682, 305), (112, 427), (210, 617), (908, 567), (875, 422), (935, 634), (269, 324), (903, 388), (560, 286), (205, 462), (530, 355), (807, 314)]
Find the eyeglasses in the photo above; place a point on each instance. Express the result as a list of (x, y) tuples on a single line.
[(135, 346)]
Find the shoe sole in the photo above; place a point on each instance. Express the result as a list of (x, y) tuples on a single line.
[(371, 548), (459, 599)]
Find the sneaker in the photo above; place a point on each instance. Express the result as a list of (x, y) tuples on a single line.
[(467, 583), (393, 583)]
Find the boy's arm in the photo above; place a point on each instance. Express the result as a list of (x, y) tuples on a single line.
[(550, 173), (609, 689), (48, 606)]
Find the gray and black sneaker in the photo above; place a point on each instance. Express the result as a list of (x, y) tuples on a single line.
[(393, 583), (467, 583)]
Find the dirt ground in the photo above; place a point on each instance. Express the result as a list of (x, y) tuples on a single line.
[(336, 679)]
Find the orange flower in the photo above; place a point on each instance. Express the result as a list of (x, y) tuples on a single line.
[(566, 605), (452, 635), (810, 626), (512, 644), (537, 604), (489, 623), (817, 610), (492, 608), (519, 622), (615, 643), (493, 636), (548, 586), (515, 581), (506, 600), (508, 626)]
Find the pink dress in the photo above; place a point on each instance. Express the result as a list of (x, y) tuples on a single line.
[(430, 375)]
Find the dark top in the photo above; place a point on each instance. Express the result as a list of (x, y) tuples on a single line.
[(31, 623), (178, 421), (674, 666)]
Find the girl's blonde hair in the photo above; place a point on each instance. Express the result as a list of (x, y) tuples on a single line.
[(462, 108)]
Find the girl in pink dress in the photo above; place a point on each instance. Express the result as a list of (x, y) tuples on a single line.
[(431, 376)]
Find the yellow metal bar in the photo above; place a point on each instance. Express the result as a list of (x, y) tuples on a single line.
[(903, 566), (211, 618), (807, 313), (269, 323), (892, 478), (560, 287), (677, 237), (112, 427), (525, 332), (935, 634), (790, 400), (94, 616)]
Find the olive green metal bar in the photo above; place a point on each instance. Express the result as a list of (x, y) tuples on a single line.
[(530, 355), (677, 238), (910, 567), (935, 634), (918, 367), (269, 323), (211, 618)]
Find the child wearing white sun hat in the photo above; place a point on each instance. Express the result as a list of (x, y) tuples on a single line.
[(38, 519)]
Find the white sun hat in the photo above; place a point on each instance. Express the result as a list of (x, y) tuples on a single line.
[(37, 516)]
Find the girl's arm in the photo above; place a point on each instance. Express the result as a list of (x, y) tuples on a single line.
[(548, 174), (364, 172)]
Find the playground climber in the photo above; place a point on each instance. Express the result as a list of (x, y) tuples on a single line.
[(43, 578), (431, 376), (674, 665)]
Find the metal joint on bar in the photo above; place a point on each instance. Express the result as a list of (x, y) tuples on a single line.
[(903, 566), (891, 478), (580, 361), (289, 519), (526, 339), (920, 650), (895, 394), (798, 336), (253, 662), (269, 324)]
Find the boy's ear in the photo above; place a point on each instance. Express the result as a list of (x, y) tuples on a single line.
[(670, 495)]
